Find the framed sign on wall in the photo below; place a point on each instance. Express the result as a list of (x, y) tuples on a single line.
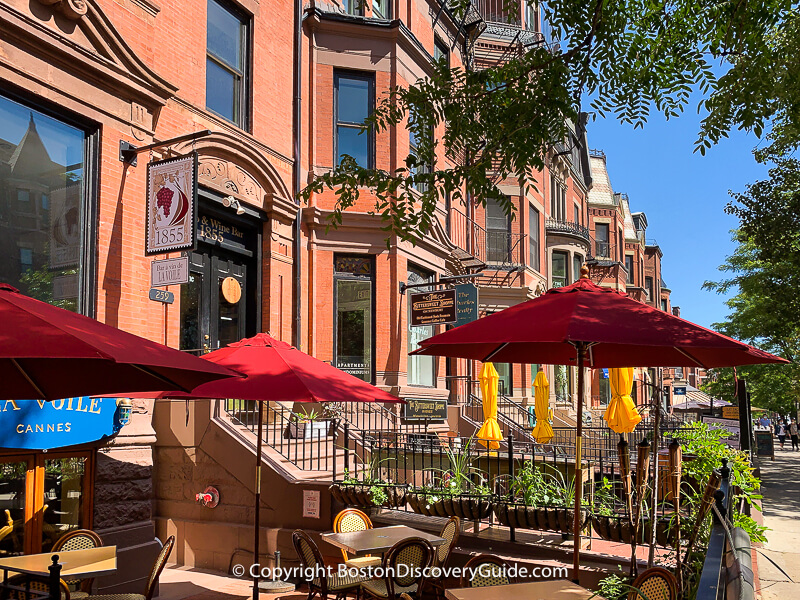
[(171, 204)]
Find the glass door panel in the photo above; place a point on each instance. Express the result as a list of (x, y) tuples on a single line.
[(354, 328), (191, 329), (13, 487), (63, 501)]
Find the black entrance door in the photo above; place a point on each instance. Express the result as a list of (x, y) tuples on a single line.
[(213, 309)]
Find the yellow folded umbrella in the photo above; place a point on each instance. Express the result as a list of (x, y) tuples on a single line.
[(543, 432), (621, 414), (489, 433)]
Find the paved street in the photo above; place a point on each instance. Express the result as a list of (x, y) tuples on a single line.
[(779, 559)]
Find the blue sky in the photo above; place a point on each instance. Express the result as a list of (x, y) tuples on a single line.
[(684, 195)]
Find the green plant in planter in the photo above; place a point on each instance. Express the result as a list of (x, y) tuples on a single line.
[(307, 416), (614, 587), (461, 478), (604, 498)]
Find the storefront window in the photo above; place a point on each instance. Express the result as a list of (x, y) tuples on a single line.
[(62, 506), (421, 369), (42, 170), (353, 283), (13, 477)]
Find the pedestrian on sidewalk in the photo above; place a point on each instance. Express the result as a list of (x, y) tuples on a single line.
[(782, 433), (793, 433)]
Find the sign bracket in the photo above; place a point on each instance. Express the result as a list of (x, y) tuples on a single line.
[(128, 152), (441, 281)]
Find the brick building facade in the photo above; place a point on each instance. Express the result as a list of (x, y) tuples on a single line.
[(78, 78)]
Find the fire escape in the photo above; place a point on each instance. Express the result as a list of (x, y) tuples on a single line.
[(488, 36)]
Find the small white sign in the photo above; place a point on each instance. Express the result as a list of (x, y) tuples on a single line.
[(311, 504), (172, 271)]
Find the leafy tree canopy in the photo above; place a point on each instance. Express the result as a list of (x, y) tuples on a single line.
[(630, 57), (764, 272)]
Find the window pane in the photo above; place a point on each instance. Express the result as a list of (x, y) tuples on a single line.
[(559, 270), (351, 141), (380, 9), (354, 328), (221, 91), (353, 102), (224, 35), (577, 263), (12, 506), (533, 232), (41, 204), (629, 267), (190, 313), (420, 368), (496, 217), (561, 376), (504, 383), (63, 498)]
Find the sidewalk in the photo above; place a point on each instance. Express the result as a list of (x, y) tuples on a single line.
[(182, 583), (781, 489)]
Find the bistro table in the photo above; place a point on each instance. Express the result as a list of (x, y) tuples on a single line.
[(378, 540), (534, 590), (75, 564)]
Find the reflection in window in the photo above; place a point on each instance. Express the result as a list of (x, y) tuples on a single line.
[(354, 102), (562, 383), (226, 63), (63, 498), (41, 204), (577, 263), (504, 383), (498, 232), (354, 341), (190, 313), (604, 389), (12, 507), (421, 369), (380, 9), (533, 238)]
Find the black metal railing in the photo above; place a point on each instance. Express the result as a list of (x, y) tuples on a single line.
[(567, 227), (425, 465), (307, 444), (714, 576)]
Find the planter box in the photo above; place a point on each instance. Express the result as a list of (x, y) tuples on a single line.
[(619, 529), (464, 507), (540, 518), (358, 494)]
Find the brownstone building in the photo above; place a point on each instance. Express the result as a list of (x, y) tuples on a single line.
[(266, 96)]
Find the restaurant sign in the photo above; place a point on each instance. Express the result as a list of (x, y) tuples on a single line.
[(43, 425), (433, 308), (466, 303), (171, 203), (433, 409)]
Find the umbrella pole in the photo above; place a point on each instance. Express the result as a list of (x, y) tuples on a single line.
[(257, 511), (576, 551), (656, 467)]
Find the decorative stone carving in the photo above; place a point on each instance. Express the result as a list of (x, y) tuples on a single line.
[(72, 9), (225, 175)]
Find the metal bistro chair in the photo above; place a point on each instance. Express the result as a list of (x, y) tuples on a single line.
[(152, 582), (352, 519), (414, 553), (656, 583), (322, 582), (30, 587), (441, 555), (486, 570), (78, 539)]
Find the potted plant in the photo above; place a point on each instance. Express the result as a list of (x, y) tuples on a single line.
[(458, 491), (307, 425), (540, 500)]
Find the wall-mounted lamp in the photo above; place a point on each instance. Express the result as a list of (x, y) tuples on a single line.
[(231, 202), (124, 411)]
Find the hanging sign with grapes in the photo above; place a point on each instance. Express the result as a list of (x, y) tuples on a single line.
[(171, 204)]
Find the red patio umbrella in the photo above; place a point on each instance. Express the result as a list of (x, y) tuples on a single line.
[(48, 353), (586, 325), (276, 371)]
